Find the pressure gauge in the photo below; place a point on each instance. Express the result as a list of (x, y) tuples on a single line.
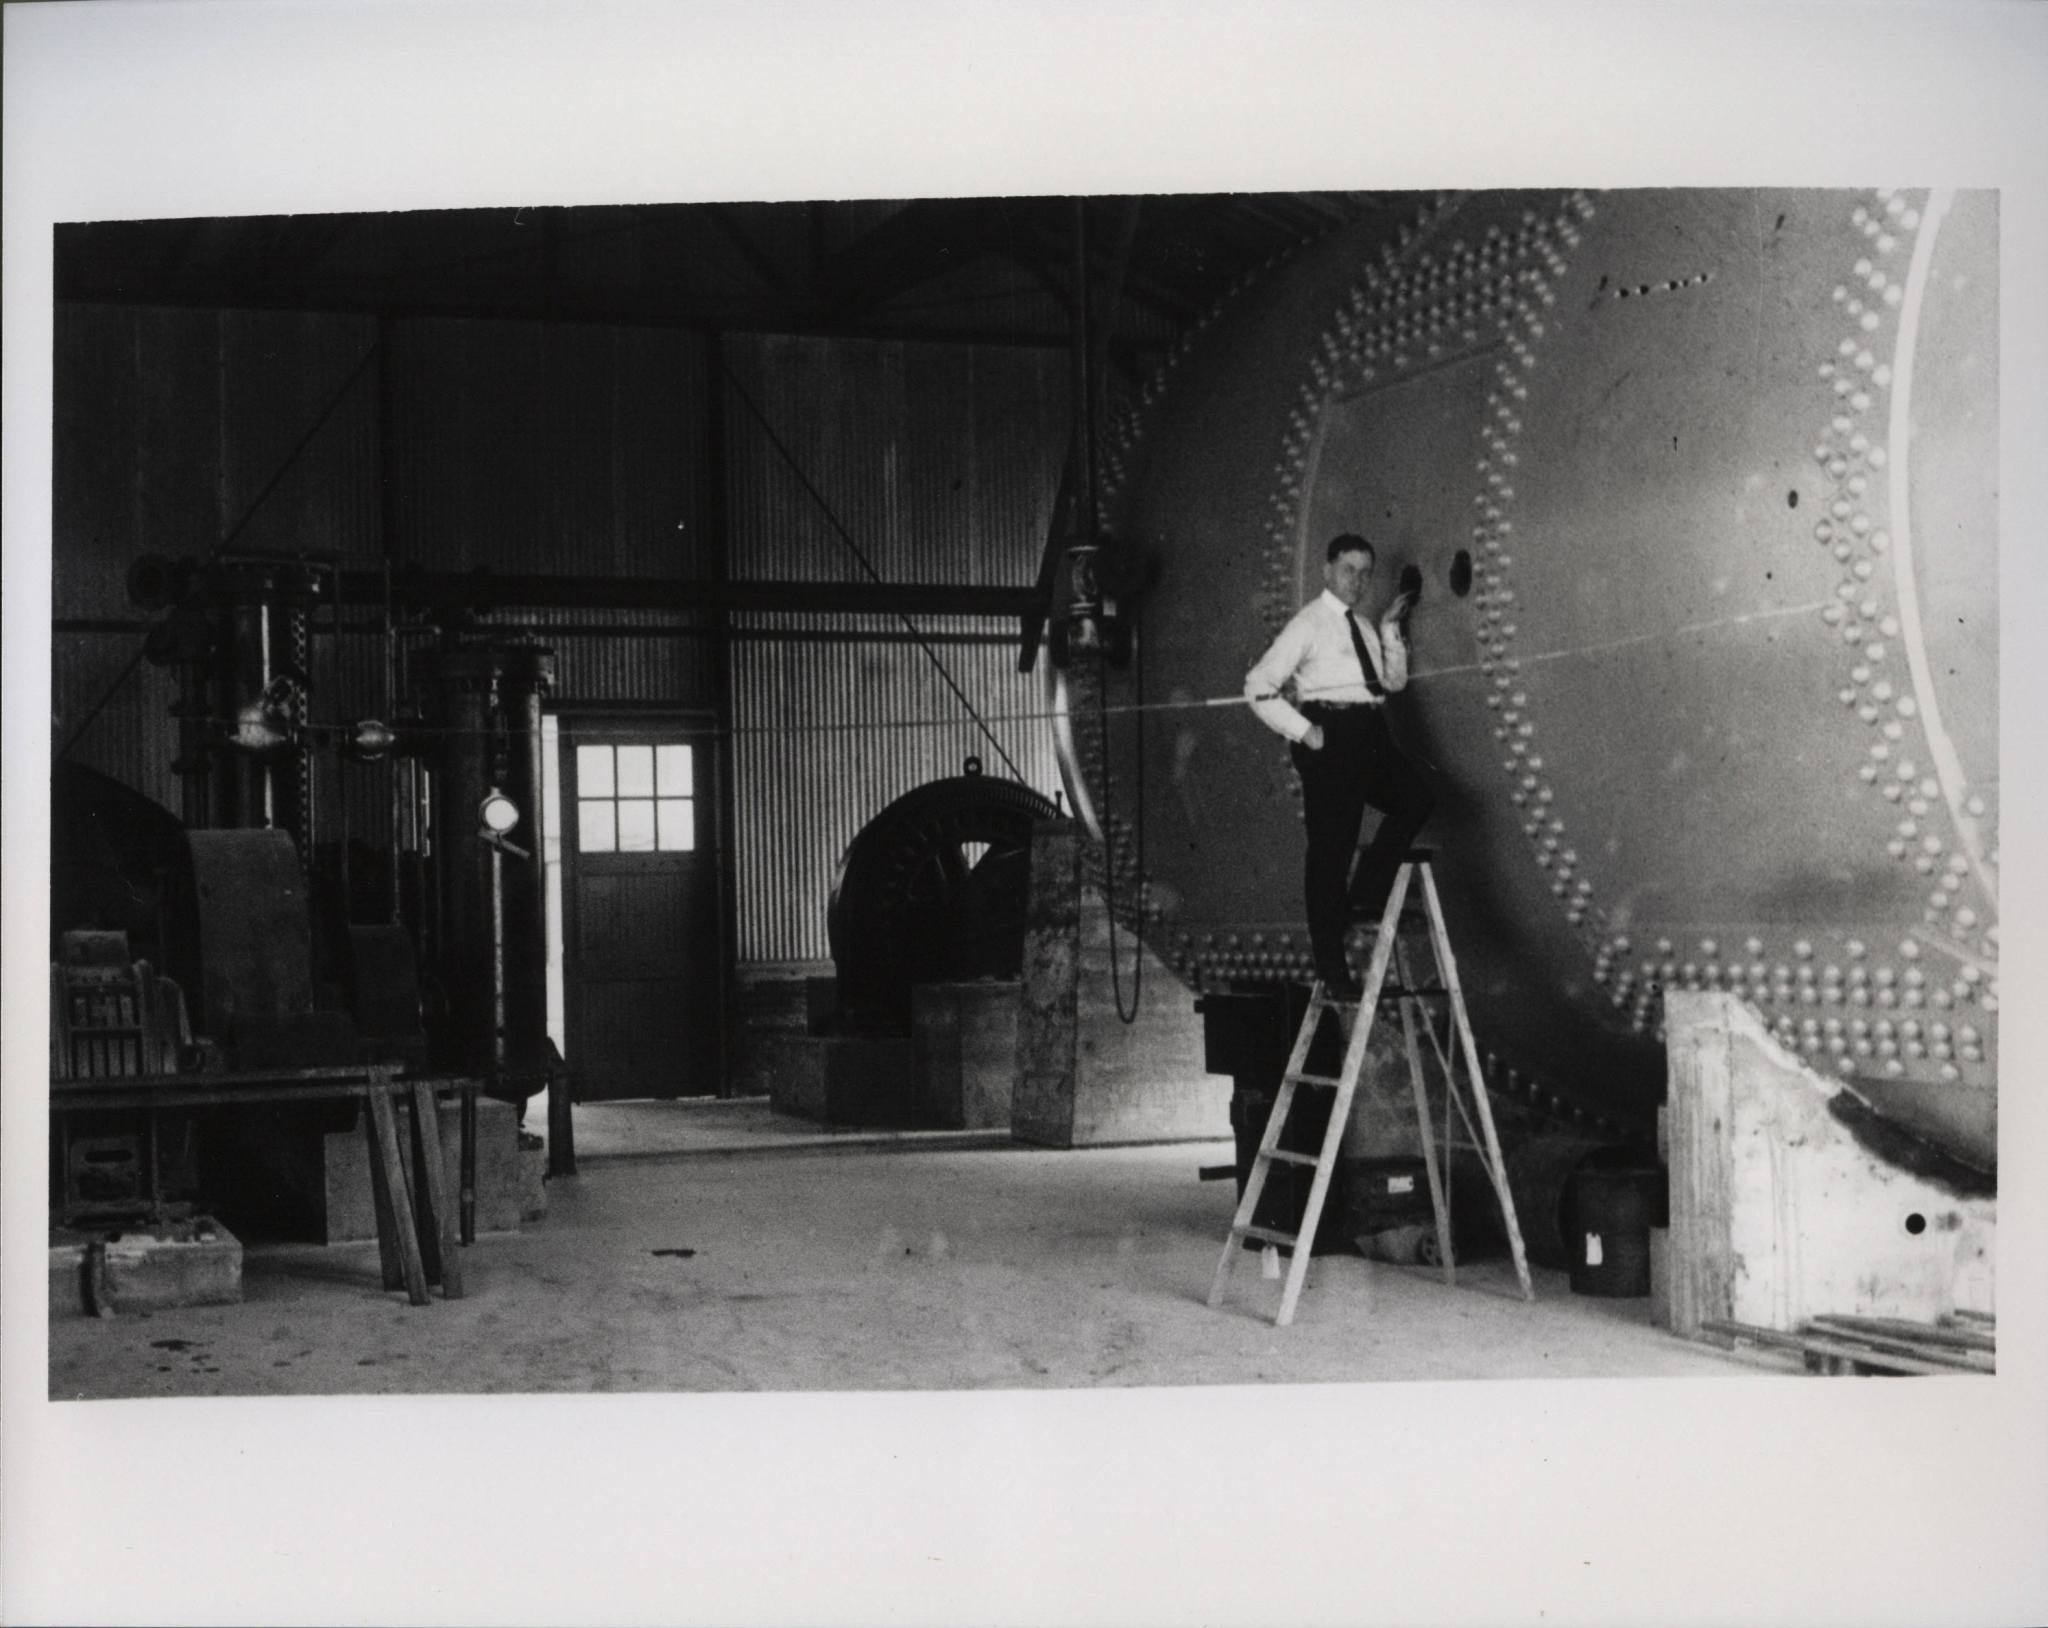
[(500, 814)]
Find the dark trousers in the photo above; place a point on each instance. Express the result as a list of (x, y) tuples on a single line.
[(1359, 766)]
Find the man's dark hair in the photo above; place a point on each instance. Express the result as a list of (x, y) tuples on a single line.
[(1346, 543)]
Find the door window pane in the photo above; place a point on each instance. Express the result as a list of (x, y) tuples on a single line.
[(593, 771), (596, 829), (678, 824), (672, 772), (636, 824), (617, 807), (636, 771)]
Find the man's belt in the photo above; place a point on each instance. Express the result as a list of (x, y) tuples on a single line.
[(1339, 706)]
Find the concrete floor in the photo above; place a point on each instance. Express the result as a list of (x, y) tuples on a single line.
[(651, 1129), (905, 1266)]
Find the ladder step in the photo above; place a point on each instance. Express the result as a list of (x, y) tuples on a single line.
[(1393, 964)]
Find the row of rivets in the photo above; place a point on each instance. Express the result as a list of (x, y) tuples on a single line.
[(1494, 599), (1870, 295)]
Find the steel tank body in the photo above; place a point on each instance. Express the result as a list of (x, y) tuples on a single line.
[(1702, 486)]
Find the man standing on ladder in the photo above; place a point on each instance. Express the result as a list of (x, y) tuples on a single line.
[(1342, 671)]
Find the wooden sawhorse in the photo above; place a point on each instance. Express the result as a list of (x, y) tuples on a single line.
[(417, 1232)]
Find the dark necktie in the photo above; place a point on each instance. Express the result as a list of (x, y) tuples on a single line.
[(1373, 686)]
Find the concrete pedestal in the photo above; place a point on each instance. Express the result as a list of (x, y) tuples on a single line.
[(1778, 1211), (181, 1263), (837, 1079), (964, 1040), (508, 1178), (1084, 1077)]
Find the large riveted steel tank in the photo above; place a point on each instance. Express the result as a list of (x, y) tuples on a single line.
[(1702, 485)]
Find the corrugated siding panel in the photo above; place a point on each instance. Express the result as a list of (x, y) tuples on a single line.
[(171, 425), (579, 449), (941, 462), (827, 735), (675, 662), (95, 402), (134, 738), (568, 449), (281, 374)]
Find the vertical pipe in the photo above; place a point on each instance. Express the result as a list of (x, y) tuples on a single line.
[(399, 772), (304, 769), (525, 903), (467, 1201), (195, 748), (387, 495), (1083, 610), (713, 519), (1082, 515), (263, 771)]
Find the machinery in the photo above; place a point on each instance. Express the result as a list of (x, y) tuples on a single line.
[(265, 759), (289, 936), (933, 888), (1701, 487)]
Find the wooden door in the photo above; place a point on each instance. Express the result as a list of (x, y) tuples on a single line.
[(642, 973)]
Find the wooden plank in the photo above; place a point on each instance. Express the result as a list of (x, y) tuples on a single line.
[(1697, 1105), (1340, 1108), (380, 1197), (1439, 1204), (437, 1216), (1932, 1333), (1255, 1184), (1821, 1346), (385, 1132), (1496, 1165), (1901, 1345)]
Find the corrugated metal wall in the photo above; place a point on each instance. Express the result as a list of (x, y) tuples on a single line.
[(172, 429), (829, 734), (571, 448), (941, 461), (942, 464), (574, 449), (580, 449)]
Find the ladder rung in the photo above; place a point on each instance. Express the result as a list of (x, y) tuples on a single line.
[(1393, 963)]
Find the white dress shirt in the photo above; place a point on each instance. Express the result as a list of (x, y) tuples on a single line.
[(1315, 651)]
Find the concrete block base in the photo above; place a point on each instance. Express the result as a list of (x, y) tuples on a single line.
[(838, 1079), (181, 1263), (507, 1175), (964, 1038), (1779, 1212), (1085, 1078)]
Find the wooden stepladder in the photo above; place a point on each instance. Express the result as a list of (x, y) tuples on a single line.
[(1475, 1115)]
